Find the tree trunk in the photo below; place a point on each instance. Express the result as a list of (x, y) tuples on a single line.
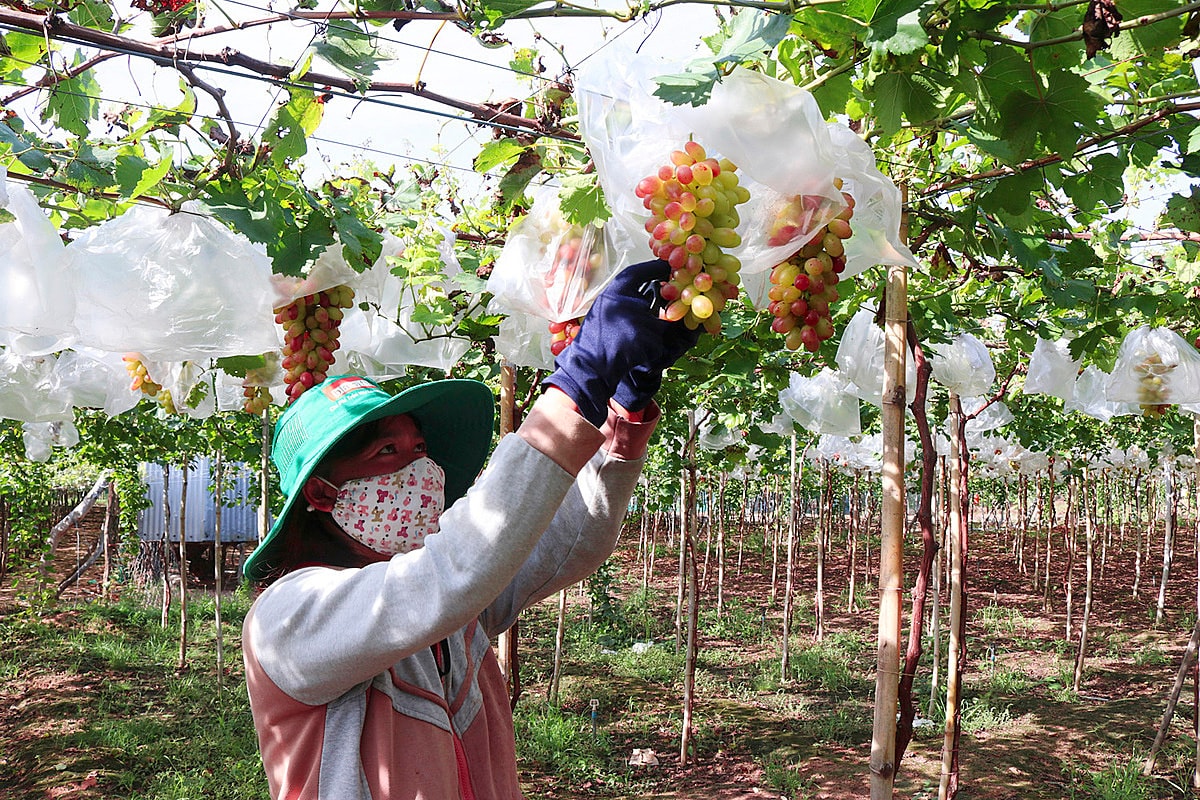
[(1170, 502), (560, 639), (686, 546), (957, 648), (218, 565), (1189, 656), (793, 506), (183, 568), (1089, 530)]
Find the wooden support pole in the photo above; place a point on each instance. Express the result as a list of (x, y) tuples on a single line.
[(506, 643), (891, 545)]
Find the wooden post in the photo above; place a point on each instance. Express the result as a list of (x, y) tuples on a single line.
[(218, 564), (264, 478), (183, 568), (1196, 540), (687, 546), (506, 642), (891, 544), (793, 503)]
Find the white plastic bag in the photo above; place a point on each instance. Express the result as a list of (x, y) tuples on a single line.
[(860, 357), (549, 267), (524, 341), (94, 379), (172, 286), (37, 301), (40, 437), (1090, 397), (757, 122), (822, 404), (1051, 370), (381, 341), (1155, 367), (877, 206), (27, 389), (715, 435), (994, 416), (964, 366)]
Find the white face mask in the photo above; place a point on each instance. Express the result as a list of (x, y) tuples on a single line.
[(393, 513)]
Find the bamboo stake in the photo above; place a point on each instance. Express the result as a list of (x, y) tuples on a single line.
[(891, 545), (218, 565), (560, 639), (183, 568), (785, 644), (264, 478), (165, 546), (1090, 533), (1170, 505), (687, 547), (824, 520), (1196, 541)]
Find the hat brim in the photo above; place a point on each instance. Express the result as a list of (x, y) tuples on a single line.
[(455, 416)]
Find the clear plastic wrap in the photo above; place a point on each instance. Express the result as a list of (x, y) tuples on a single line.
[(994, 416), (822, 404), (1051, 370), (860, 357), (964, 366), (40, 438), (524, 341), (550, 268), (29, 391), (37, 305), (1155, 368), (171, 286), (1090, 398), (877, 205), (757, 122), (94, 379), (715, 435)]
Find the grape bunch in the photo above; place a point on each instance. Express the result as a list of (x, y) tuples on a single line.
[(693, 220), (310, 336), (1152, 390), (257, 399), (141, 378), (805, 284), (562, 334)]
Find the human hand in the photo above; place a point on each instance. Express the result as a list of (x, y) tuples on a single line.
[(623, 346)]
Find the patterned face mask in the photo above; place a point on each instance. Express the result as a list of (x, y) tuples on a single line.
[(393, 513)]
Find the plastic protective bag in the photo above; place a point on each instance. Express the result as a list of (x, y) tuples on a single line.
[(37, 304), (877, 206), (1155, 367), (994, 416), (964, 366), (757, 122), (1090, 397), (1051, 370), (524, 341), (860, 358), (822, 404), (383, 340), (94, 379), (549, 267), (715, 435), (28, 391), (172, 286), (40, 438)]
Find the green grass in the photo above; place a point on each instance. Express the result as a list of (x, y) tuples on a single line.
[(111, 704)]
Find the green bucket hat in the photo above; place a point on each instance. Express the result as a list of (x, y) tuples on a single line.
[(454, 415)]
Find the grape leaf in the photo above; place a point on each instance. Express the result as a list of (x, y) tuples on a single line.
[(495, 11), (238, 366), (1136, 42), (74, 103), (352, 52), (498, 152), (1182, 213), (750, 34), (907, 37), (292, 123), (26, 151), (1100, 183), (92, 168), (911, 96), (581, 200)]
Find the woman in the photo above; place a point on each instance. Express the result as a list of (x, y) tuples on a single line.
[(367, 657)]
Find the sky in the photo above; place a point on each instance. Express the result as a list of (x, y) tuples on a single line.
[(448, 60)]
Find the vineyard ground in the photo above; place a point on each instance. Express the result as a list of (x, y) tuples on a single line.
[(92, 706)]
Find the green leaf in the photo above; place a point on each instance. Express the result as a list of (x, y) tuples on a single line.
[(92, 168), (581, 200), (1013, 194), (360, 244), (238, 366), (290, 126), (1054, 25), (1141, 41), (1100, 183), (169, 118), (25, 49), (24, 150), (897, 95), (92, 14), (512, 185), (882, 18), (750, 34), (495, 11), (433, 314), (352, 52), (908, 36), (498, 152), (1182, 213), (74, 103)]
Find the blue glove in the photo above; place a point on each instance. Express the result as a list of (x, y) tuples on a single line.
[(622, 346)]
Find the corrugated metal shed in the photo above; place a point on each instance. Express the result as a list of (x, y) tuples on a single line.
[(239, 511)]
